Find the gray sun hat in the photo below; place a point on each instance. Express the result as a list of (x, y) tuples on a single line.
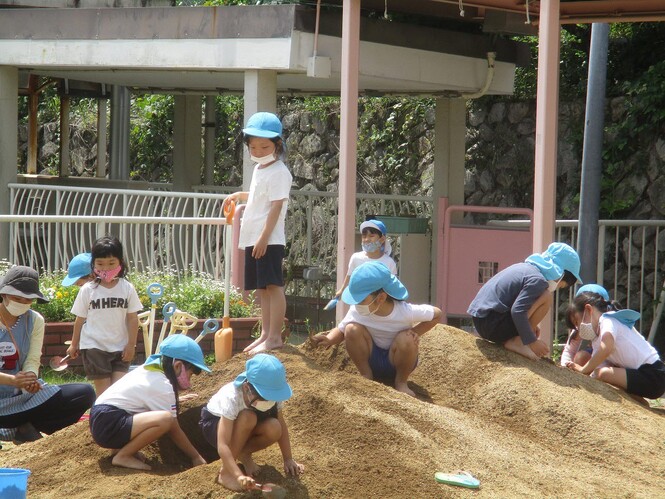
[(22, 281)]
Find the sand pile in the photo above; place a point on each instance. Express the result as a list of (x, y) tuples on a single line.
[(524, 429)]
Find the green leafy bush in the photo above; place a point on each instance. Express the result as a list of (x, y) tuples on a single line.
[(193, 292)]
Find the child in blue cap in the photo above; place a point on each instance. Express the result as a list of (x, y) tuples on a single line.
[(572, 351), (262, 233), (381, 331), (632, 363), (142, 406), (79, 271), (375, 247), (245, 416), (509, 307)]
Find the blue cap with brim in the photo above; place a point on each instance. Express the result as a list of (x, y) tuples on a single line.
[(626, 317), (180, 347), (594, 288), (557, 258), (374, 224), (267, 375), (265, 125), (79, 266), (370, 277)]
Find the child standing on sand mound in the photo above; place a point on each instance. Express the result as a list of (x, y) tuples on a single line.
[(381, 331)]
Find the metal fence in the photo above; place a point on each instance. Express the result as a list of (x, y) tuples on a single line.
[(182, 230)]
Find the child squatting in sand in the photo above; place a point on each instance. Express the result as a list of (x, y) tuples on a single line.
[(381, 331)]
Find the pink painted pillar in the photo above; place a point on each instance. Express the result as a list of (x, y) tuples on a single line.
[(346, 218), (547, 114)]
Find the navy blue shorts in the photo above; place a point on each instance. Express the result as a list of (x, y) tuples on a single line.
[(496, 327), (647, 381), (111, 427), (265, 271), (209, 424), (379, 362)]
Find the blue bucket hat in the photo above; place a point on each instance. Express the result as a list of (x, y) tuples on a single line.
[(265, 125), (374, 224), (555, 259), (267, 375), (79, 266), (370, 277), (594, 288), (181, 347)]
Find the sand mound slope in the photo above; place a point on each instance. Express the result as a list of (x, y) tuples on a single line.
[(524, 429)]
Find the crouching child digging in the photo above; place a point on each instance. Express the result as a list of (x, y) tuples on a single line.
[(381, 331), (245, 416)]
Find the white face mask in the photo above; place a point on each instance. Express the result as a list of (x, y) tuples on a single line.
[(263, 160), (373, 246), (364, 309), (263, 405), (553, 285), (15, 308), (586, 329)]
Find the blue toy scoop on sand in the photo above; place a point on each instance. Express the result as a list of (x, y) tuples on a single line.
[(461, 479)]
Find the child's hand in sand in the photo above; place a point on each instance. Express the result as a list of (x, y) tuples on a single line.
[(292, 468), (321, 340), (540, 348), (198, 461), (187, 396), (574, 367)]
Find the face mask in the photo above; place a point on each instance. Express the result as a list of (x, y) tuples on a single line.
[(15, 308), (263, 160), (586, 330), (553, 285), (263, 405), (108, 275), (371, 247), (183, 379), (364, 309)]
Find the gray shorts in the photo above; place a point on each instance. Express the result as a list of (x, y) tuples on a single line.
[(99, 364)]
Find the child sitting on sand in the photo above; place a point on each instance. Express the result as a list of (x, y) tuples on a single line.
[(245, 416), (635, 364), (142, 406), (381, 331)]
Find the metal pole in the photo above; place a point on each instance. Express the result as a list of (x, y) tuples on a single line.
[(587, 237)]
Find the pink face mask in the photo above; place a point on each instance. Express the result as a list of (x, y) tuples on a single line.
[(108, 275), (183, 379)]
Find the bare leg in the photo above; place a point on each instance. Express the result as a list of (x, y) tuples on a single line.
[(274, 295), (101, 385), (403, 355), (539, 309), (265, 320), (264, 435), (614, 376), (359, 347), (116, 375), (146, 428), (515, 344)]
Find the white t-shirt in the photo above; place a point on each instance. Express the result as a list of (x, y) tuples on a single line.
[(631, 350), (384, 329), (228, 402), (271, 183), (361, 257), (141, 390), (105, 311)]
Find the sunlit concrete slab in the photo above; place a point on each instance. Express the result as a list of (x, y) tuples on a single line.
[(207, 50)]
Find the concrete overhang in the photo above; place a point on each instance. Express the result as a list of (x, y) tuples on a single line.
[(208, 49)]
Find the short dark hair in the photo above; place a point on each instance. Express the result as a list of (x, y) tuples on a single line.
[(569, 278)]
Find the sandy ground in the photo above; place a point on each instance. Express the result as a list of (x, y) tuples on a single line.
[(524, 429)]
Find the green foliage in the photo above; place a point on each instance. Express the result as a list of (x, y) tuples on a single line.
[(385, 128), (151, 138), (193, 292)]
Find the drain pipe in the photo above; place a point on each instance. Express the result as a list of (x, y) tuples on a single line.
[(489, 77), (318, 66)]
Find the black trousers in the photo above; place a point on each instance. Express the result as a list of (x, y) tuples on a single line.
[(63, 409)]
